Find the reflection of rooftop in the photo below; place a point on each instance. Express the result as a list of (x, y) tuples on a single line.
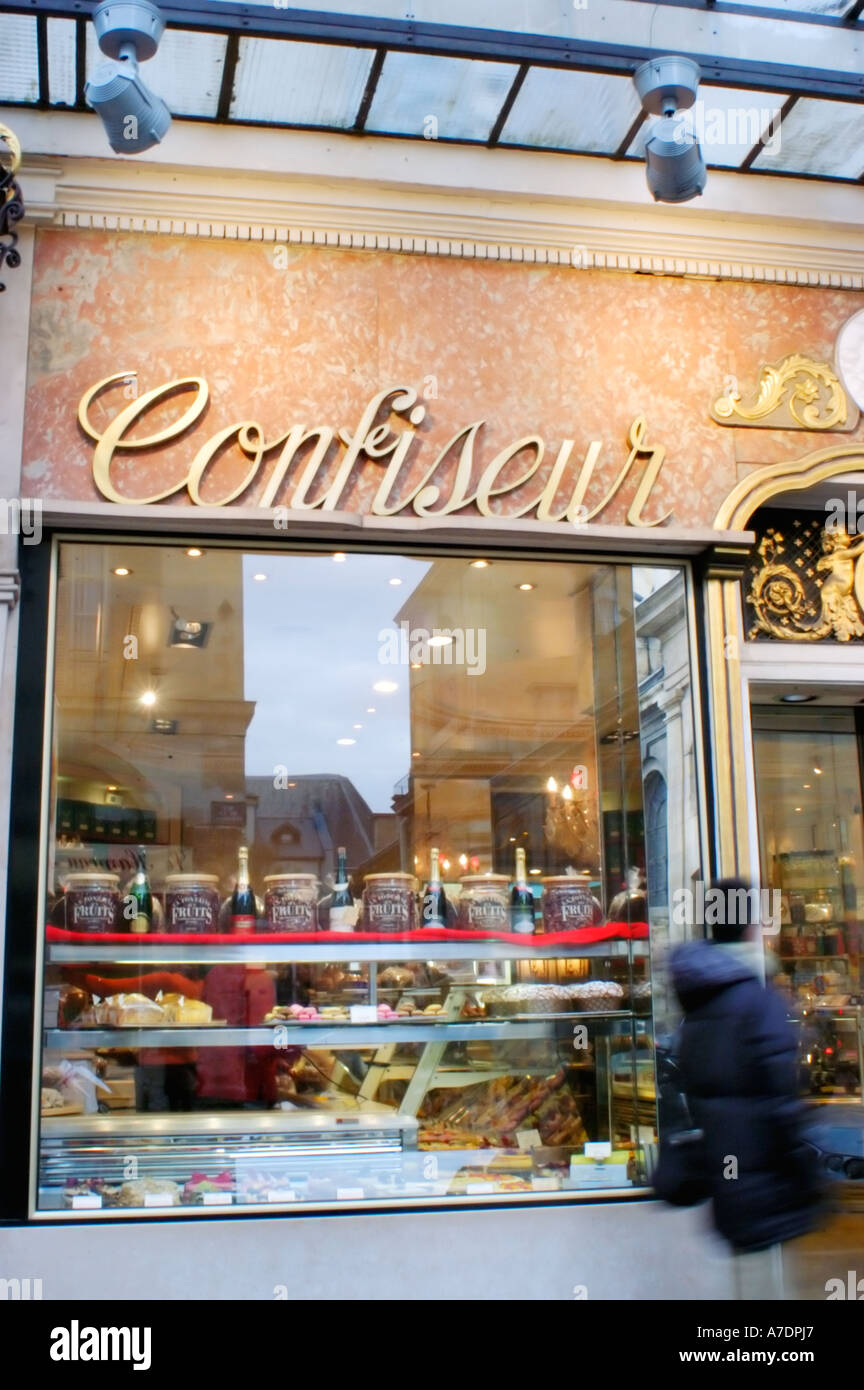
[(300, 821)]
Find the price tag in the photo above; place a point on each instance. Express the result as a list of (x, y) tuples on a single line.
[(528, 1139), (479, 1189), (217, 1199), (350, 1194), (91, 1200), (281, 1194), (158, 1199), (363, 1013), (600, 1149), (546, 1184)]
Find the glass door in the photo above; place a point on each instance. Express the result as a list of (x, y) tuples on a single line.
[(809, 807)]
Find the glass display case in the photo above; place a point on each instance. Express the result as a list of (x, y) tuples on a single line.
[(344, 876)]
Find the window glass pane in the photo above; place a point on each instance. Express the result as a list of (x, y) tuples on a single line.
[(454, 98), (357, 837), (299, 83), (19, 75), (808, 795), (61, 61), (571, 111), (818, 137)]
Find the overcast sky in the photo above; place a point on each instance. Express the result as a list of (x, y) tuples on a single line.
[(311, 660)]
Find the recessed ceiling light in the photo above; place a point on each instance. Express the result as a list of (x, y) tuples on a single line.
[(346, 742), (415, 755), (416, 665), (535, 871), (229, 796), (441, 640), (194, 553), (340, 556), (121, 572), (149, 697), (292, 784), (818, 771), (385, 687), (797, 808), (480, 564), (358, 726), (796, 697), (260, 577), (395, 582), (370, 709), (807, 786), (111, 788), (525, 587)]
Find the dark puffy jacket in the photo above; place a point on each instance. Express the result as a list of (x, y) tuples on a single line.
[(738, 1066)]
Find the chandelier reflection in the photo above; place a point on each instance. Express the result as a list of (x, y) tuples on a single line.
[(568, 826)]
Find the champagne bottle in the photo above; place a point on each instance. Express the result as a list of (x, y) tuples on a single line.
[(342, 910), (139, 901), (521, 899), (243, 907), (434, 899)]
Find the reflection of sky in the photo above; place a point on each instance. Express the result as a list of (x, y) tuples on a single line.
[(311, 660)]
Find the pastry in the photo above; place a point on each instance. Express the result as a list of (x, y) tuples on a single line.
[(133, 1010), (51, 1099), (132, 1194), (190, 1012)]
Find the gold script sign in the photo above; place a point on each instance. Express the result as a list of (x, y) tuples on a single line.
[(374, 439)]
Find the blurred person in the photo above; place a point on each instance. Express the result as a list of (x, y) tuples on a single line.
[(736, 1058)]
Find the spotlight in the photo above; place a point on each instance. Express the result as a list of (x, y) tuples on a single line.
[(675, 167), (135, 119), (676, 170)]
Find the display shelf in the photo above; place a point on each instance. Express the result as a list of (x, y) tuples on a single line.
[(304, 953), (321, 1034)]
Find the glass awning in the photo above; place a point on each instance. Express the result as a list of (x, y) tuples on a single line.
[(782, 87)]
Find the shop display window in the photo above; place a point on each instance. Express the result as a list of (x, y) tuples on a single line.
[(352, 866)]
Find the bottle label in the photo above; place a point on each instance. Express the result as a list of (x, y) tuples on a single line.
[(523, 920), (140, 924), (343, 918), (243, 923)]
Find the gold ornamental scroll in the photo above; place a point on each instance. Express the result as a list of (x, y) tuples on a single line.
[(799, 393)]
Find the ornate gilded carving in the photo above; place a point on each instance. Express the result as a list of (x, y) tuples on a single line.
[(791, 598), (11, 202), (797, 393)]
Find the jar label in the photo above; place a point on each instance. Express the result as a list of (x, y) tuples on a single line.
[(192, 910), (91, 909)]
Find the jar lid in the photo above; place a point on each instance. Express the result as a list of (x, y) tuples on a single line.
[(94, 879), (403, 878), (290, 878), (568, 880), (485, 878), (186, 880)]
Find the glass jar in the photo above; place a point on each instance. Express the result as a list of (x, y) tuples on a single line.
[(92, 902), (192, 903), (484, 902), (567, 902), (389, 902), (291, 902)]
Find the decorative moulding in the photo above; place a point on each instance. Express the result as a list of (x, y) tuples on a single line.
[(579, 257)]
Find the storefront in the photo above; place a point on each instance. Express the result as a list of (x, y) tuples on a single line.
[(370, 565)]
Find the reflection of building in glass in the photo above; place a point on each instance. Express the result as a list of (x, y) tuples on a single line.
[(299, 825), (662, 662)]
